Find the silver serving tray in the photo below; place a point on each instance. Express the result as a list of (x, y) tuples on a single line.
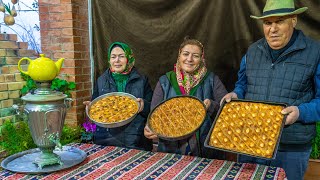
[(23, 162), (185, 136), (116, 124)]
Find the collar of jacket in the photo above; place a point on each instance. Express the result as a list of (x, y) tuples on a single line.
[(133, 75), (299, 44)]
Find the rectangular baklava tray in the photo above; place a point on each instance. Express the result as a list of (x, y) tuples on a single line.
[(247, 127)]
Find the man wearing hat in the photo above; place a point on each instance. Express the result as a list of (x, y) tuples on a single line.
[(284, 67)]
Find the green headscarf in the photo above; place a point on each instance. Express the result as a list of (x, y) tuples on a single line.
[(122, 78)]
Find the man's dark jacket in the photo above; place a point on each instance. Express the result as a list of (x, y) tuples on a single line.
[(288, 79)]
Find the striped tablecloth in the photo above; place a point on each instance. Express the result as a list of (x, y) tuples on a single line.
[(108, 162)]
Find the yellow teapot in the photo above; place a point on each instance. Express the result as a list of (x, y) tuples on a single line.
[(42, 69)]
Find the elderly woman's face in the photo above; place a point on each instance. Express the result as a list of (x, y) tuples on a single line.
[(190, 58), (118, 60)]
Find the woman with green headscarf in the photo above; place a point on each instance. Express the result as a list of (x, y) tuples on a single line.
[(122, 76)]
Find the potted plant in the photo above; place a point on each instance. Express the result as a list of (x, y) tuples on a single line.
[(313, 171)]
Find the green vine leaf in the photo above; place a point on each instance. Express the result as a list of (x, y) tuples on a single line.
[(57, 84), (25, 90), (31, 84), (72, 85)]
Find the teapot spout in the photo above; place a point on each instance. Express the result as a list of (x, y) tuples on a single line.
[(59, 64)]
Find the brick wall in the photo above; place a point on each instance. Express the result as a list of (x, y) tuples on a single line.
[(11, 82), (64, 34)]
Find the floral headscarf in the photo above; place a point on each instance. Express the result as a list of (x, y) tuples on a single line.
[(187, 81), (128, 53)]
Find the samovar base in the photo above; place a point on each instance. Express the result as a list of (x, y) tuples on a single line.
[(23, 162), (46, 159)]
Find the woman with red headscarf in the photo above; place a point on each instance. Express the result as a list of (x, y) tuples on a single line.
[(190, 77)]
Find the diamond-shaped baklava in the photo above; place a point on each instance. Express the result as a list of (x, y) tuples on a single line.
[(248, 127), (177, 117)]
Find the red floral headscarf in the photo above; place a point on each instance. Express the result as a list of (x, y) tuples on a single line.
[(187, 81)]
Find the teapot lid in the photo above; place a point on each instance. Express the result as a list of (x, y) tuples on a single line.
[(43, 57)]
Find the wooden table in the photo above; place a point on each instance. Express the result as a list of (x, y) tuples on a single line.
[(108, 162)]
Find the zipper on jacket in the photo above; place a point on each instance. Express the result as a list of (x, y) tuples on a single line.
[(272, 66), (269, 81)]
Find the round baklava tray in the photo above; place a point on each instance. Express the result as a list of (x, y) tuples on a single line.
[(113, 109), (177, 118)]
